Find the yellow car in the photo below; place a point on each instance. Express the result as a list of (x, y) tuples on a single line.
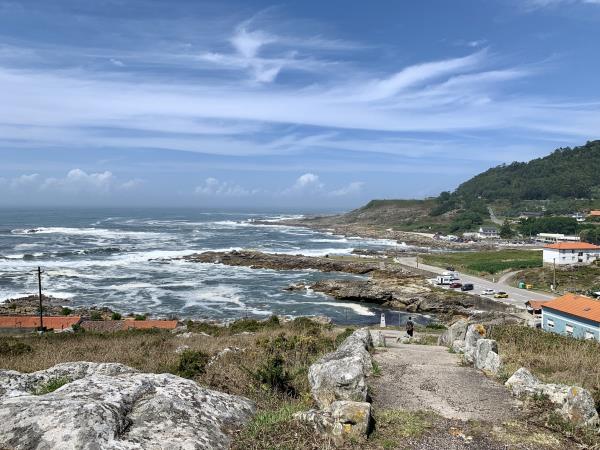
[(501, 295)]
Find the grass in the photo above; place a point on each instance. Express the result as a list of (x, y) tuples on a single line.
[(582, 279), (486, 262), (551, 357), (51, 385)]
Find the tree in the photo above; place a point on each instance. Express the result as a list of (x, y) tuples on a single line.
[(591, 235), (506, 232)]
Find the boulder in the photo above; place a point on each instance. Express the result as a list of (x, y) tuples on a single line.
[(378, 338), (456, 331), (340, 375), (341, 420), (572, 402), (473, 334), (112, 406), (486, 356), (458, 346)]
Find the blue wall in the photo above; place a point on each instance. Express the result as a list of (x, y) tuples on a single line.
[(580, 325)]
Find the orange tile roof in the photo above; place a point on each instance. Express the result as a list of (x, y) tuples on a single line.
[(576, 305), (594, 213), (573, 246), (57, 323), (537, 304), (147, 324)]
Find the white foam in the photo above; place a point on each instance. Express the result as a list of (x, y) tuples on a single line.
[(101, 232), (356, 308)]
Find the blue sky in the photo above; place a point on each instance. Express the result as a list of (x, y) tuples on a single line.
[(296, 104)]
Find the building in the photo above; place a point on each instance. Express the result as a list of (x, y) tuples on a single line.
[(530, 214), (555, 237), (104, 326), (488, 233), (572, 315), (31, 323), (571, 253), (579, 217), (534, 307), (594, 213)]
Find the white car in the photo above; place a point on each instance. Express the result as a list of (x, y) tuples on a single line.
[(488, 292)]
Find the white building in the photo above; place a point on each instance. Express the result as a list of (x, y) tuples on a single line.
[(570, 253), (488, 232), (556, 237)]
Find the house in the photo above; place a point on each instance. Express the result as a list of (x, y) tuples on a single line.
[(104, 326), (594, 213), (570, 253), (572, 315), (534, 307), (579, 217), (488, 232), (31, 323)]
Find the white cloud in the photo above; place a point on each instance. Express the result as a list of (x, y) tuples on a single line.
[(248, 43), (351, 189), (213, 187), (537, 4), (24, 181), (117, 62)]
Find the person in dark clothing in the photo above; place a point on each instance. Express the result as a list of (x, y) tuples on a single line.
[(410, 327)]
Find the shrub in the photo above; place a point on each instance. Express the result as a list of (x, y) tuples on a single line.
[(116, 316), (306, 325), (140, 317), (51, 385), (203, 327), (192, 363), (435, 326), (65, 311), (273, 374), (11, 348), (95, 315)]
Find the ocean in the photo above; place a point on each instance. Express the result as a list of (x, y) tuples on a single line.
[(120, 258)]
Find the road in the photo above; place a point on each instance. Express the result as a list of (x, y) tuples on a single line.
[(493, 217), (516, 297)]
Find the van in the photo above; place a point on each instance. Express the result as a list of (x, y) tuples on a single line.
[(467, 287), (444, 279), (453, 275)]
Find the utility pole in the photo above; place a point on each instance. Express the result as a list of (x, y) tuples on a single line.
[(554, 274), (39, 274)]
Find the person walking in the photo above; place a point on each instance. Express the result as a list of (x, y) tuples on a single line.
[(410, 327)]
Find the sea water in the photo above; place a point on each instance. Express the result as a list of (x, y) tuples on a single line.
[(122, 258)]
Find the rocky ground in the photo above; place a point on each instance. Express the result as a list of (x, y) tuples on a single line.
[(388, 284), (30, 305)]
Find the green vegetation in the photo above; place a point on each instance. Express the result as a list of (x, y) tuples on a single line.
[(140, 317), (535, 225), (116, 316), (192, 363), (487, 262), (566, 173), (51, 385), (65, 311), (576, 279), (95, 315), (12, 347)]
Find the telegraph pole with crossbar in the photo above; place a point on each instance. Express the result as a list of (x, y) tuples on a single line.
[(39, 275)]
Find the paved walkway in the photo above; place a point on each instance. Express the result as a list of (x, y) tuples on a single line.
[(516, 297), (420, 377)]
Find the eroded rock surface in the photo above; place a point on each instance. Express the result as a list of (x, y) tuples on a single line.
[(112, 406), (573, 402)]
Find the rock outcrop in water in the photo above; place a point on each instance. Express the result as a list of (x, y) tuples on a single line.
[(112, 406)]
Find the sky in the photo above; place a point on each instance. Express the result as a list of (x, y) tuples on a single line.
[(297, 104)]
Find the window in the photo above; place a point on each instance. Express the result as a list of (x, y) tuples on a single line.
[(569, 329), (589, 335), (550, 323)]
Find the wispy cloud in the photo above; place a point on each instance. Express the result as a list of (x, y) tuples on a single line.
[(213, 187)]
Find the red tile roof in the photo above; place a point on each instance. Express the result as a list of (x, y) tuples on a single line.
[(537, 304), (573, 246), (594, 213), (576, 305), (147, 324), (57, 323)]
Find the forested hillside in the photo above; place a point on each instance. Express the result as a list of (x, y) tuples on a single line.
[(566, 173)]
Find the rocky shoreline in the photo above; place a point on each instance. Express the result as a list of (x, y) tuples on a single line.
[(388, 284)]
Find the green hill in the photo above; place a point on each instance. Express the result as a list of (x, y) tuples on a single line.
[(566, 173)]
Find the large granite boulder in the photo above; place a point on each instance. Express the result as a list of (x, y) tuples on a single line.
[(340, 375), (573, 402), (112, 406), (486, 356), (378, 338), (473, 334), (341, 420), (456, 331)]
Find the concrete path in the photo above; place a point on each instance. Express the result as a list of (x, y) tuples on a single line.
[(516, 297), (423, 377)]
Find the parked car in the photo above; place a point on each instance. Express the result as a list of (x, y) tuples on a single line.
[(455, 285), (501, 295), (467, 287), (488, 292)]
